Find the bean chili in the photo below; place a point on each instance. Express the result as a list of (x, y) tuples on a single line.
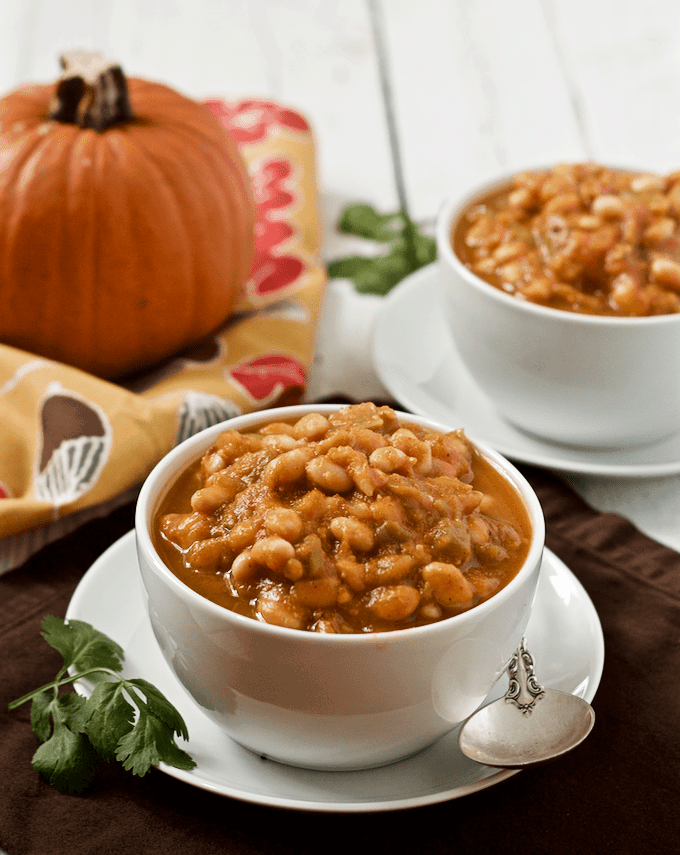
[(581, 238), (343, 523)]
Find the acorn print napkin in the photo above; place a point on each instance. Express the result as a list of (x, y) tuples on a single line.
[(73, 446)]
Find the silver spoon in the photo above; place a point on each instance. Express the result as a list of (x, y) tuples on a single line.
[(529, 725)]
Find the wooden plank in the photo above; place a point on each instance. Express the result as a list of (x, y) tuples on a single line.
[(326, 67), (621, 58), (479, 89), (33, 34)]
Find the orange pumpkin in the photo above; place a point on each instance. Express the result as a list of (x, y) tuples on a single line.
[(127, 220)]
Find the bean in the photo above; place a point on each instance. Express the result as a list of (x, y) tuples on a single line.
[(312, 426), (660, 230), (406, 441), (204, 553), (273, 551), (284, 522), (607, 206), (485, 267), (366, 441), (333, 440), (674, 199), (277, 443), (232, 486), (645, 183), (184, 529), (294, 569), (355, 463), (523, 197), (508, 251), (242, 567), (666, 272), (431, 611), (213, 463), (485, 586), (352, 572), (277, 428), (243, 534), (455, 450), (449, 587), (357, 535), (328, 476), (208, 499), (387, 569), (393, 603), (316, 593), (275, 606), (344, 595), (389, 459), (287, 468), (231, 444), (588, 222), (627, 294), (564, 203)]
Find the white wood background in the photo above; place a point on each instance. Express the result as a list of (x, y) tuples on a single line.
[(478, 85)]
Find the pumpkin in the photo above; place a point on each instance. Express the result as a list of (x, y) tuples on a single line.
[(127, 219)]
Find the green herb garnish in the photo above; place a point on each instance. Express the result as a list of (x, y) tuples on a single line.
[(128, 720), (409, 249)]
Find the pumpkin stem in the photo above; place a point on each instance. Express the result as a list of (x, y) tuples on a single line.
[(91, 92)]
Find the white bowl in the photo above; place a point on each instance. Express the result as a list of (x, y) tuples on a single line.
[(570, 378), (330, 701)]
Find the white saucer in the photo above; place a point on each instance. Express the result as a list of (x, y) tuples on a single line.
[(417, 362), (564, 635)]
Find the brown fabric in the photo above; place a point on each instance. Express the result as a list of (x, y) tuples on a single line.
[(617, 793)]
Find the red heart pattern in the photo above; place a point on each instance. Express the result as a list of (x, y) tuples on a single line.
[(267, 377)]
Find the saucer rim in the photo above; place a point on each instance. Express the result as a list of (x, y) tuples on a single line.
[(395, 379), (121, 557)]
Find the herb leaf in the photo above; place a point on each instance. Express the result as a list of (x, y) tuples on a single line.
[(151, 740), (108, 718), (81, 645), (377, 274), (123, 719), (159, 706), (41, 716), (364, 221), (67, 760)]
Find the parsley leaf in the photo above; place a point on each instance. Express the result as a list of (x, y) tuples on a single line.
[(409, 249), (108, 717), (41, 716), (364, 221), (81, 645), (150, 741), (159, 706), (128, 720), (67, 759)]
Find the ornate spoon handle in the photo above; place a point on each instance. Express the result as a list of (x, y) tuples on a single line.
[(524, 690)]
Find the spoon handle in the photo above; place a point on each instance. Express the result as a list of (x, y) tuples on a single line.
[(524, 690)]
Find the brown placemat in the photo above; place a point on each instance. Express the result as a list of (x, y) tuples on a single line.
[(617, 793)]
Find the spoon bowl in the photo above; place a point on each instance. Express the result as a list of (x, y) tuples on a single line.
[(529, 725)]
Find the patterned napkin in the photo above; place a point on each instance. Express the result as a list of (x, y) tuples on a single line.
[(73, 446)]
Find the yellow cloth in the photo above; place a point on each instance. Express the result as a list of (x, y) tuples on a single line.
[(71, 443)]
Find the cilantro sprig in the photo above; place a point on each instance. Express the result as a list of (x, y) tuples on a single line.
[(128, 720), (409, 249)]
